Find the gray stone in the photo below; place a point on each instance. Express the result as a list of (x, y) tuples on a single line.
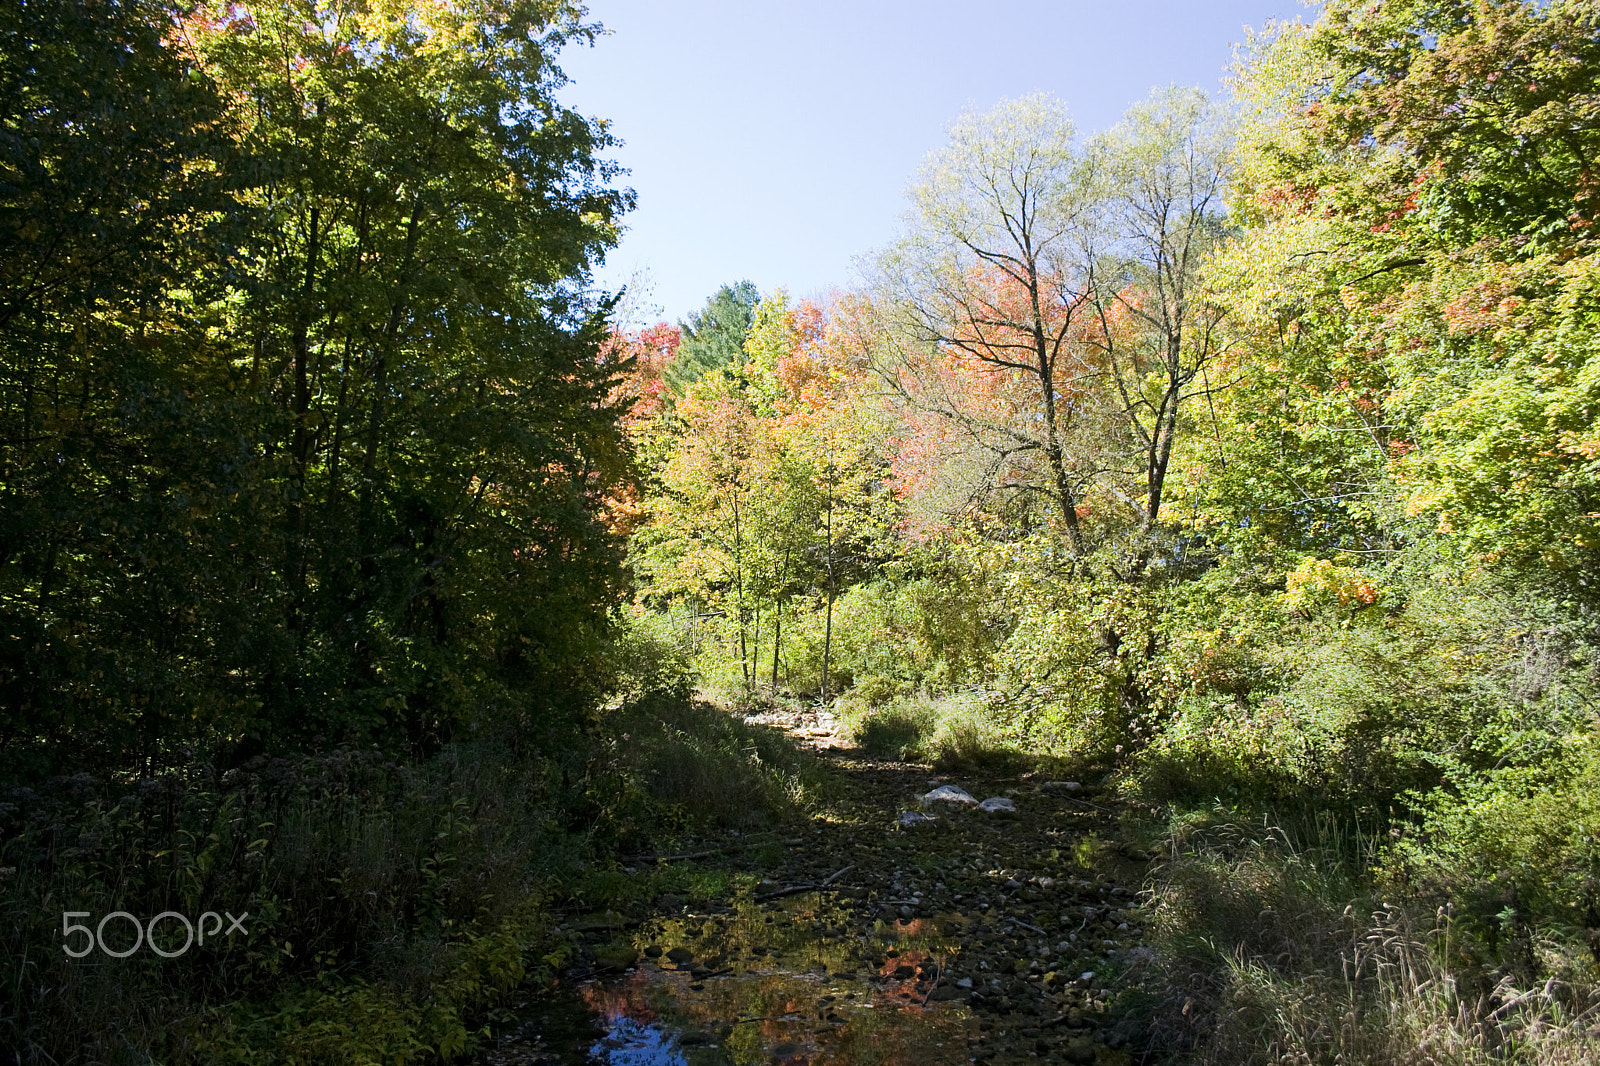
[(949, 794), (1061, 786), (997, 805), (915, 819)]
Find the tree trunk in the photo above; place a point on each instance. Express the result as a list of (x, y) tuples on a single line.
[(827, 633), (300, 442), (738, 588), (777, 643)]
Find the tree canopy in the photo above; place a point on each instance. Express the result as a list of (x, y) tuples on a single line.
[(304, 429)]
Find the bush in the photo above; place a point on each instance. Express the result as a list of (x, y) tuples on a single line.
[(674, 766), (653, 656), (362, 877), (956, 731)]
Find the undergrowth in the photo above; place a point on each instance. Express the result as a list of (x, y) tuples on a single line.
[(390, 904)]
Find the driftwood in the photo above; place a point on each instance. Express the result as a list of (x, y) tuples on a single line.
[(795, 890)]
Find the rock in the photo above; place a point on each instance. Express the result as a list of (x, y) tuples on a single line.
[(946, 994), (949, 794), (915, 820), (964, 982), (680, 955), (997, 805), (1061, 786)]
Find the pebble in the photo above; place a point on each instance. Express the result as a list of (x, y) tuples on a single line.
[(1023, 917)]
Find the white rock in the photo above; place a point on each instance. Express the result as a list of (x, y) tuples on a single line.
[(913, 819), (998, 805), (965, 982), (949, 794)]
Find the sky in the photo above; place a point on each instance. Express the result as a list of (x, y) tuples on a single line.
[(774, 141)]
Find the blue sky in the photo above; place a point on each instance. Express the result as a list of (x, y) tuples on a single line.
[(774, 141)]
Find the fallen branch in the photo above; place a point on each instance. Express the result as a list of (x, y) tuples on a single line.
[(794, 890), (834, 877), (1025, 925)]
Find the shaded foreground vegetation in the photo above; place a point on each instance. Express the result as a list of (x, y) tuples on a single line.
[(393, 904)]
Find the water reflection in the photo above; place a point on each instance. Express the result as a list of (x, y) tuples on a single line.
[(633, 1042), (796, 982)]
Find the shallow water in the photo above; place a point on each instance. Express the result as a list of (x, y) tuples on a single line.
[(795, 981)]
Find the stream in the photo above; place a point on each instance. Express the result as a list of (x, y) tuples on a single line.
[(967, 939)]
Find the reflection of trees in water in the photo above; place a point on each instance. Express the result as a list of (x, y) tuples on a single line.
[(781, 1017), (632, 1042)]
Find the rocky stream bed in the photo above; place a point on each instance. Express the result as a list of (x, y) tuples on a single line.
[(902, 928)]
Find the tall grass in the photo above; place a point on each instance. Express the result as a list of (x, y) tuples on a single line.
[(353, 869), (952, 731), (390, 903), (1275, 945)]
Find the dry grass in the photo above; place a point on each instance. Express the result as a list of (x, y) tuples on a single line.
[(1272, 949)]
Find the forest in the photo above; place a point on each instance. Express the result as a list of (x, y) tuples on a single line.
[(361, 567)]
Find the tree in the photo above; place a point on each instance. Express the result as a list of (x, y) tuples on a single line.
[(1416, 180), (1045, 301), (413, 308), (713, 338), (763, 486), (1165, 171), (311, 432), (117, 445), (992, 273)]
